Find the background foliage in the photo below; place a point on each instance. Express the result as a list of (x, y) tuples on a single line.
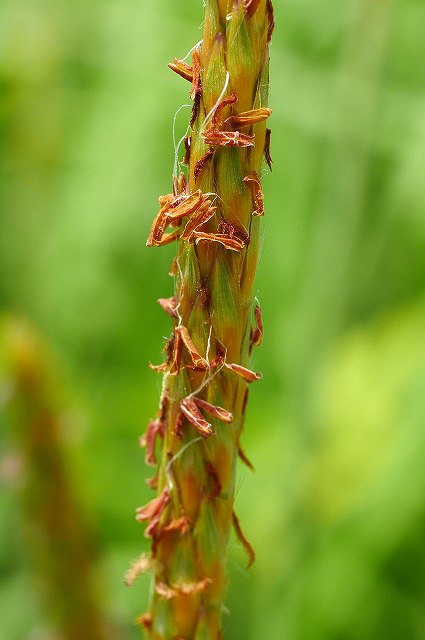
[(336, 509)]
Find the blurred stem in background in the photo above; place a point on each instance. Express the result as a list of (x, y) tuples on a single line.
[(58, 537)]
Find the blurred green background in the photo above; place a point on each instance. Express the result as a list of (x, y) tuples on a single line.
[(336, 508)]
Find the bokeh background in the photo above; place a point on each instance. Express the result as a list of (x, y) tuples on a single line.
[(336, 508)]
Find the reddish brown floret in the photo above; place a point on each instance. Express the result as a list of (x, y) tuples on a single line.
[(258, 332), (169, 306), (216, 122), (220, 355), (234, 244), (253, 182), (217, 412), (179, 185), (182, 69), (168, 238), (152, 512), (243, 372), (155, 428), (145, 621), (182, 524), (157, 230), (228, 138), (197, 359), (247, 118), (177, 354), (202, 216), (195, 417), (184, 206), (196, 78)]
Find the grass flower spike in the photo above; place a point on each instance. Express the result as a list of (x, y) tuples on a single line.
[(214, 214)]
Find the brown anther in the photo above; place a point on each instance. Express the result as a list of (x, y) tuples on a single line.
[(179, 186), (258, 332), (217, 412), (216, 122), (155, 428), (247, 118), (228, 138), (242, 455), (234, 244), (182, 69), (168, 238), (177, 354), (192, 367), (242, 539), (270, 16), (182, 524), (196, 78), (184, 206), (267, 149), (145, 621), (253, 182), (220, 355), (195, 417), (243, 372), (205, 213), (169, 351), (167, 199), (196, 358), (169, 306), (201, 163), (217, 488), (187, 143), (152, 512), (231, 230), (250, 7), (157, 230), (172, 200), (157, 237)]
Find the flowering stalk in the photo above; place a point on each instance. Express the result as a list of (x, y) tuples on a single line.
[(215, 215)]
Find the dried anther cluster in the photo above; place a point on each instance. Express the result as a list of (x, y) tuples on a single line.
[(213, 213)]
